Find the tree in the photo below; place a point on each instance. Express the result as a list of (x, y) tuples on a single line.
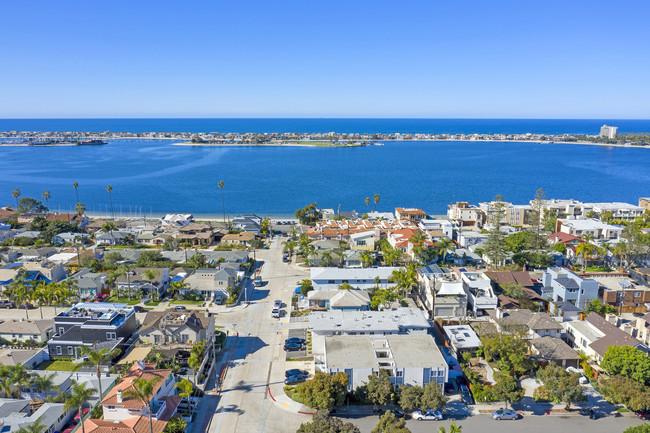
[(367, 201), (510, 351), (388, 423), (442, 246), (550, 220), (109, 189), (495, 246), (507, 389), (186, 389), (79, 396), (383, 298), (326, 258), (28, 204), (627, 361), (453, 428), (323, 423), (45, 384), (366, 259), (15, 194), (75, 185), (599, 308), (176, 287), (194, 362), (561, 385), (606, 216), (143, 389), (409, 397), (376, 199), (324, 391), (46, 196), (585, 249), (223, 202), (305, 287), (538, 207), (97, 358), (560, 248), (80, 209), (345, 286), (643, 428), (380, 389), (433, 397), (309, 214), (35, 427), (40, 295), (20, 377), (620, 389), (176, 425)]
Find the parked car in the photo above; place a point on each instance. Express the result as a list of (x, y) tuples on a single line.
[(427, 415), (504, 414), (77, 417), (6, 304), (139, 309), (180, 308), (295, 371), (583, 380), (295, 340), (397, 413), (643, 414), (292, 347), (449, 388), (298, 378), (26, 306), (466, 395)]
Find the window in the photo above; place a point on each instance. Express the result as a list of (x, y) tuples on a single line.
[(61, 330), (637, 294), (185, 338), (330, 281), (111, 336), (361, 242), (156, 339), (70, 350), (58, 350), (399, 373)]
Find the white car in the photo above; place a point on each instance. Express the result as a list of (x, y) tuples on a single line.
[(427, 415)]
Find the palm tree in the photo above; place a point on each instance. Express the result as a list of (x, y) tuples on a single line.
[(46, 196), (75, 185), (40, 295), (45, 384), (186, 388), (97, 358), (444, 245), (151, 275), (418, 240), (453, 428), (185, 246), (366, 259), (195, 363), (143, 390), (80, 209), (109, 227), (326, 258), (585, 249), (19, 376), (5, 381), (79, 396), (223, 203), (15, 194), (35, 427), (376, 198), (367, 201), (126, 271), (110, 198), (401, 279), (176, 287)]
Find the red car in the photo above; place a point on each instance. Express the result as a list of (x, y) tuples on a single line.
[(77, 418), (643, 414)]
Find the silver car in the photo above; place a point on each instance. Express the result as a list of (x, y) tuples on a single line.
[(504, 414), (427, 415)]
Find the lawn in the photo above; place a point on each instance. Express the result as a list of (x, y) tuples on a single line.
[(182, 302), (152, 303), (58, 366), (113, 299), (598, 269)]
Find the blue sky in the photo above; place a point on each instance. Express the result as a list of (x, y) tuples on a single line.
[(511, 59)]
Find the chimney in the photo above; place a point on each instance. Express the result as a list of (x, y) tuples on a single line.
[(119, 396), (499, 313)]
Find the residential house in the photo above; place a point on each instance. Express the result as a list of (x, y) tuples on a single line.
[(462, 338), (548, 349), (593, 227), (30, 358), (441, 293), (114, 237), (247, 223), (644, 202), (24, 330), (359, 278), (479, 291), (624, 293), (36, 254), (403, 240), (515, 215), (641, 275), (123, 414), (468, 238), (173, 329), (152, 238), (412, 214), (409, 359), (70, 238), (568, 311), (532, 325), (387, 322), (345, 300), (437, 225), (466, 215), (177, 219), (212, 283), (16, 414), (363, 240), (238, 239), (152, 281), (620, 211), (563, 285), (91, 284), (198, 234), (92, 324), (564, 238), (595, 334), (51, 270)]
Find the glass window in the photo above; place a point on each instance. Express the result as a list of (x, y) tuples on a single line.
[(58, 350), (70, 350)]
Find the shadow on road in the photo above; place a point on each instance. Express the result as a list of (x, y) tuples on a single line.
[(457, 410), (231, 408), (244, 346)]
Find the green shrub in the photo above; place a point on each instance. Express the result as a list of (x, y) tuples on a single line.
[(541, 394)]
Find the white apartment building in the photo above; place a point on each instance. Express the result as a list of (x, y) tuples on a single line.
[(608, 131)]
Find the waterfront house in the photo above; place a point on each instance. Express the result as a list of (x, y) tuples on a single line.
[(177, 219), (412, 214), (247, 223), (92, 324), (198, 234), (466, 215)]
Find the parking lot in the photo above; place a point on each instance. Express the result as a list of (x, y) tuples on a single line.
[(297, 333)]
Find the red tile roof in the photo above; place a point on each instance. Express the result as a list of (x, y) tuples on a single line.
[(560, 237), (136, 424), (125, 383)]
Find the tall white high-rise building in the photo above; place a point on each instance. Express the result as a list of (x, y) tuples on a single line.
[(608, 131)]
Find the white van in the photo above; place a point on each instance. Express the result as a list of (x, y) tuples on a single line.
[(275, 313)]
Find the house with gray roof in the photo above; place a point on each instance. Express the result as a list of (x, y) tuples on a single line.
[(27, 330), (138, 279), (359, 278), (346, 300), (91, 284), (563, 285), (531, 325), (211, 282), (409, 359), (396, 321), (21, 413), (548, 349), (168, 330)]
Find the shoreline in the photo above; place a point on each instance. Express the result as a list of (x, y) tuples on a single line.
[(326, 144)]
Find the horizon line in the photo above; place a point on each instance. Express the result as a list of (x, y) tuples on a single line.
[(326, 118)]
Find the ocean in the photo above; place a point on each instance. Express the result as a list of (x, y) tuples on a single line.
[(155, 177), (384, 126)]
